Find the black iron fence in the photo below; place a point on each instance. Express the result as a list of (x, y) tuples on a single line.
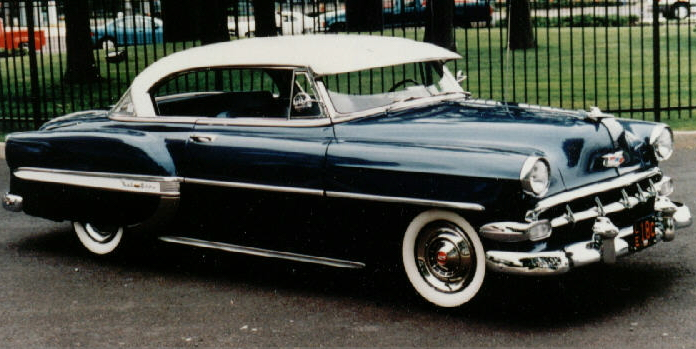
[(620, 55)]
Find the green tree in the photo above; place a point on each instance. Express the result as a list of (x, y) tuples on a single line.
[(521, 34), (264, 18), (439, 23), (80, 64)]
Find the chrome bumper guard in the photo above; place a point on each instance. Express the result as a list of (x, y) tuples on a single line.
[(11, 202), (607, 244)]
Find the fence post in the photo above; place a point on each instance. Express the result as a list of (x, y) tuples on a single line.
[(33, 66), (656, 59)]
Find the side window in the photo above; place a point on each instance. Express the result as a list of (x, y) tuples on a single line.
[(124, 106), (225, 93), (305, 103)]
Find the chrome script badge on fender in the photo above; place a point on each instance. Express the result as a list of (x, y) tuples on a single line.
[(614, 159)]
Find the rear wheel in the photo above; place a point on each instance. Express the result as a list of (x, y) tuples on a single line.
[(443, 258), (99, 239)]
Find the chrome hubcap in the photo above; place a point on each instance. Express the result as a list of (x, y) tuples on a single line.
[(100, 235), (445, 257)]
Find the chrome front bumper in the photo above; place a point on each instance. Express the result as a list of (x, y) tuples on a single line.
[(607, 244), (11, 202)]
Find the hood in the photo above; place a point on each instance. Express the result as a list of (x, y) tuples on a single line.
[(75, 119), (574, 144)]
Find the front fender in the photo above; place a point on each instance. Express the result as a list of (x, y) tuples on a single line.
[(485, 177)]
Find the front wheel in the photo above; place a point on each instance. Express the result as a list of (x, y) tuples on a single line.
[(98, 239), (443, 258)]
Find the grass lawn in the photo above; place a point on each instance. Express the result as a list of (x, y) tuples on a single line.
[(573, 68)]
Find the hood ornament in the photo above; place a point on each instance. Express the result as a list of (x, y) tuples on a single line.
[(614, 159)]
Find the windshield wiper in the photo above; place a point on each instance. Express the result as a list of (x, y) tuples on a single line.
[(398, 102)]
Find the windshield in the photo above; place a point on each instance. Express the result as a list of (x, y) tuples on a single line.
[(383, 87)]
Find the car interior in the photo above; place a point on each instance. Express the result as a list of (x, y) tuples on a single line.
[(236, 93)]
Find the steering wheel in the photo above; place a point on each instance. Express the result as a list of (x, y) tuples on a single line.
[(403, 82)]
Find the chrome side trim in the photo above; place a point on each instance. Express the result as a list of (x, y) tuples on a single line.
[(151, 185), (405, 200), (263, 187), (169, 186), (592, 189), (332, 262)]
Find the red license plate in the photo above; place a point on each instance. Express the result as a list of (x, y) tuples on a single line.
[(643, 234)]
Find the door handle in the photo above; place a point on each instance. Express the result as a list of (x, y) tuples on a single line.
[(202, 138)]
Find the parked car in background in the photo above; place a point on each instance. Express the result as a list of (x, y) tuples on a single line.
[(679, 9), (413, 13), (287, 22), (127, 31), (16, 39), (350, 151)]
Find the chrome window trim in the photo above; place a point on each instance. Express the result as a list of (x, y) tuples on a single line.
[(265, 122), (592, 189), (170, 186), (155, 119), (252, 122), (141, 184)]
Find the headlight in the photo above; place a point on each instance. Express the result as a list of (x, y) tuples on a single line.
[(662, 142), (535, 176)]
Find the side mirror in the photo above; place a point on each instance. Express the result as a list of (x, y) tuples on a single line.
[(460, 76)]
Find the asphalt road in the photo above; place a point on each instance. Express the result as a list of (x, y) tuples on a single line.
[(53, 293)]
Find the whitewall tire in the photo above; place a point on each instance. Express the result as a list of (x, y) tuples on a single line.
[(98, 240), (443, 258)]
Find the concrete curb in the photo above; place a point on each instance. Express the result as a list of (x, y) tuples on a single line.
[(678, 135)]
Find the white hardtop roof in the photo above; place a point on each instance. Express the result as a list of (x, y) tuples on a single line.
[(323, 54)]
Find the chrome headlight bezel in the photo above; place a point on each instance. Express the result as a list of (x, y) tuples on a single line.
[(662, 142), (535, 176)]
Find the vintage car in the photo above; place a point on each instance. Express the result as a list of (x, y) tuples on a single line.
[(349, 151)]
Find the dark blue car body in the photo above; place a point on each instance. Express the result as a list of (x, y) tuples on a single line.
[(274, 160), (453, 152)]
